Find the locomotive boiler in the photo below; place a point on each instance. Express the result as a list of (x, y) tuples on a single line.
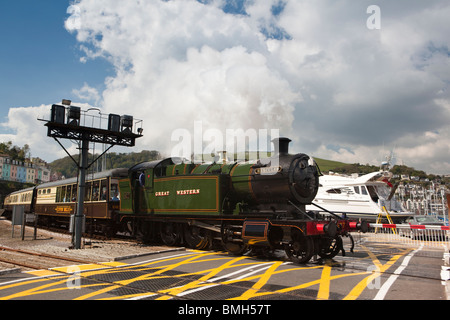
[(258, 205)]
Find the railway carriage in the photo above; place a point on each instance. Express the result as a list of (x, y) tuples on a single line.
[(25, 198), (54, 202)]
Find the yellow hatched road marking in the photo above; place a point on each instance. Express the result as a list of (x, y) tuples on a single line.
[(22, 283), (143, 277), (70, 269), (196, 283), (323, 282), (325, 279), (260, 283), (84, 267), (43, 289), (42, 273), (380, 268), (199, 285), (305, 285)]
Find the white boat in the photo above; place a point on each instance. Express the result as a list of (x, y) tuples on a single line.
[(359, 197)]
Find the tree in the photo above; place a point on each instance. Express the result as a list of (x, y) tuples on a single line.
[(15, 152)]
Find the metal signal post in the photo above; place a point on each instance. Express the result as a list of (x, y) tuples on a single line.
[(69, 122)]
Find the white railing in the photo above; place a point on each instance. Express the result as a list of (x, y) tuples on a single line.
[(433, 236)]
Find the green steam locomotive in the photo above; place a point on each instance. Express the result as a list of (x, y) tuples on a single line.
[(257, 205)]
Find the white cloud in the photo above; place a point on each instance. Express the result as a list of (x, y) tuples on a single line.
[(364, 89), (182, 61), (313, 70), (87, 93), (27, 129)]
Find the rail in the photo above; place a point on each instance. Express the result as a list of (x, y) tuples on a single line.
[(426, 235), (34, 260)]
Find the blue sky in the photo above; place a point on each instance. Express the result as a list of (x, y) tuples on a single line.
[(315, 70), (39, 58)]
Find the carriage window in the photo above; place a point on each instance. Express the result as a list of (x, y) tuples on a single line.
[(87, 191), (63, 194), (74, 193), (95, 191), (68, 194), (58, 194), (114, 194), (104, 190)]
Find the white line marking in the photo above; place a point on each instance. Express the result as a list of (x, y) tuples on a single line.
[(386, 286)]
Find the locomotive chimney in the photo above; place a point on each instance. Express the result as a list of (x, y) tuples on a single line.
[(281, 146)]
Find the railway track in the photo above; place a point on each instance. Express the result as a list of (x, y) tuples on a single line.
[(88, 235), (35, 260)]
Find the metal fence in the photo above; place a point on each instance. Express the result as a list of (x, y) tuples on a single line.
[(432, 236)]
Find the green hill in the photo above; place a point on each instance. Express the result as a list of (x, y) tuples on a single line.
[(67, 168), (327, 165)]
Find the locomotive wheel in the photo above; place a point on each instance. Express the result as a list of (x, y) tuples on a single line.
[(170, 234), (300, 249), (235, 247), (232, 245), (329, 249), (196, 238)]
